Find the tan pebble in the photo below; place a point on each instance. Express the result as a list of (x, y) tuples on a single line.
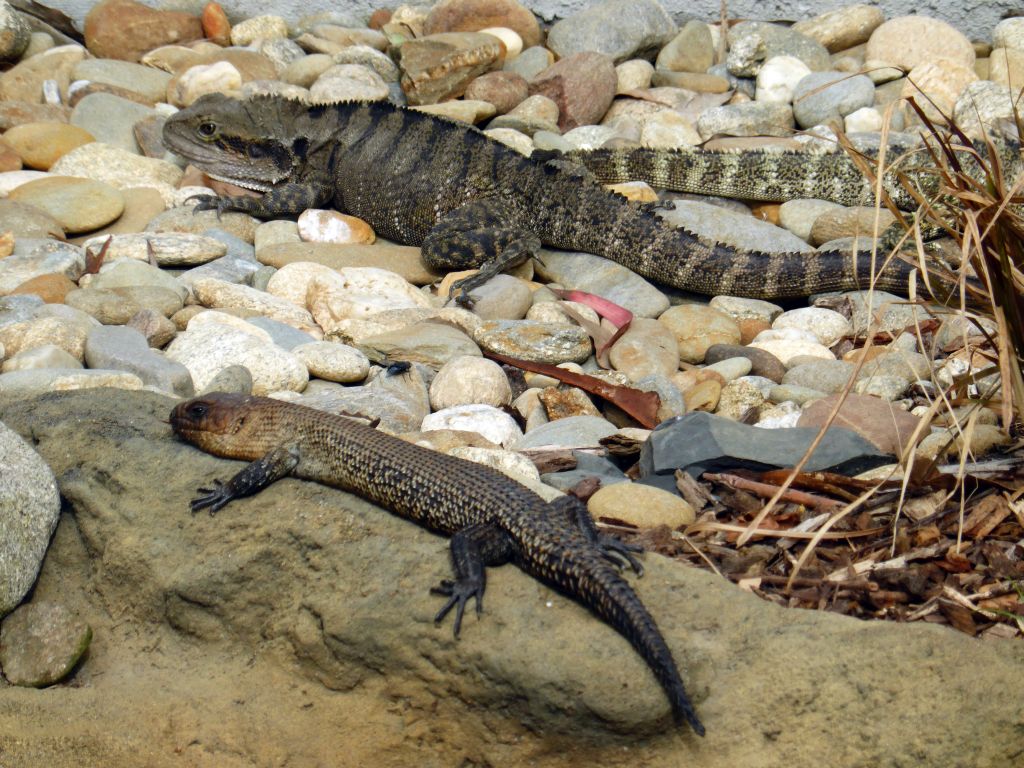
[(512, 40), (937, 83), (637, 191), (641, 506), (469, 379), (40, 145), (6, 244), (141, 204), (215, 22), (10, 159), (320, 226), (855, 355), (690, 378), (50, 288), (469, 111), (444, 289), (750, 327), (984, 439), (703, 396), (202, 79), (906, 41), (698, 327), (767, 212), (78, 205)]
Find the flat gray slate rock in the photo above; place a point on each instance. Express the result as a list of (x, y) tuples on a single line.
[(701, 442), (587, 465)]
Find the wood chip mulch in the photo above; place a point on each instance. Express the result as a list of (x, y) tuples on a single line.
[(940, 551)]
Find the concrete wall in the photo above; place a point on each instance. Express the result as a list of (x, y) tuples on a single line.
[(975, 18)]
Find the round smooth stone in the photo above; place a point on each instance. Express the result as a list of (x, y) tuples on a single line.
[(40, 145), (78, 205)]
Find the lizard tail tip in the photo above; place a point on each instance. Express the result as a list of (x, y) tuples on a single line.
[(683, 713)]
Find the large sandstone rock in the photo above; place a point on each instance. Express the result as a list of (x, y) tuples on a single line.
[(296, 626)]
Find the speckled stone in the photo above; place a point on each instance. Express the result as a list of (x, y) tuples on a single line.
[(211, 292), (539, 342), (206, 349), (469, 379), (120, 168), (29, 510), (170, 249)]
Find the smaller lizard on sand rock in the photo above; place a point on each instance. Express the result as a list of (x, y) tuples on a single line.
[(491, 518)]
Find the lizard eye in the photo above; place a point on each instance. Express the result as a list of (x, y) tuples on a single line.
[(198, 410), (207, 129)]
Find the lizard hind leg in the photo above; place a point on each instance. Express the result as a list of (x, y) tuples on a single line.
[(481, 234), (619, 553), (472, 549)]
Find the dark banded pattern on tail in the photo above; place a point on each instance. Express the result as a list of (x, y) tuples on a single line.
[(583, 573), (654, 248)]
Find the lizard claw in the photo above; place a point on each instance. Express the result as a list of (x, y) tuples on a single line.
[(458, 594), (663, 205), (215, 498), (620, 553), (208, 203)]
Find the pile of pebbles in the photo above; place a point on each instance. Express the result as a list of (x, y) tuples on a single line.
[(313, 311)]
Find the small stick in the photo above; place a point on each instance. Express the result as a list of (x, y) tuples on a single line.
[(805, 582), (766, 490)]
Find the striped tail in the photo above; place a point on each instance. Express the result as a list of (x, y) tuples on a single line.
[(586, 577)]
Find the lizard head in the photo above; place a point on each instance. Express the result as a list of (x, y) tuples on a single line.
[(218, 423), (242, 142)]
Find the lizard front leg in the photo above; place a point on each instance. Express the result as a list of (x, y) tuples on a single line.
[(286, 200), (479, 234), (252, 478)]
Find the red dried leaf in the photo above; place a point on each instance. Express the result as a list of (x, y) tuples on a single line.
[(642, 406)]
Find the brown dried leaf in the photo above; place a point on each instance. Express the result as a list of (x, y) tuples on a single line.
[(958, 616)]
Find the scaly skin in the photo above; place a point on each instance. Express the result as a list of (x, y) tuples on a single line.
[(777, 176), (470, 201), (491, 518)]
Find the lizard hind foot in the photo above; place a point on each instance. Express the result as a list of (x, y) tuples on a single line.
[(459, 593), (620, 553)]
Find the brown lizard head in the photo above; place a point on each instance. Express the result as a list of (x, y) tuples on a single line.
[(225, 424), (248, 143)]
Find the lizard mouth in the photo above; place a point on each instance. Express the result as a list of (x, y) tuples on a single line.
[(256, 185)]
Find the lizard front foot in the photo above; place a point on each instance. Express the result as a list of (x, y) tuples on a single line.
[(215, 498), (209, 203), (459, 593)]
